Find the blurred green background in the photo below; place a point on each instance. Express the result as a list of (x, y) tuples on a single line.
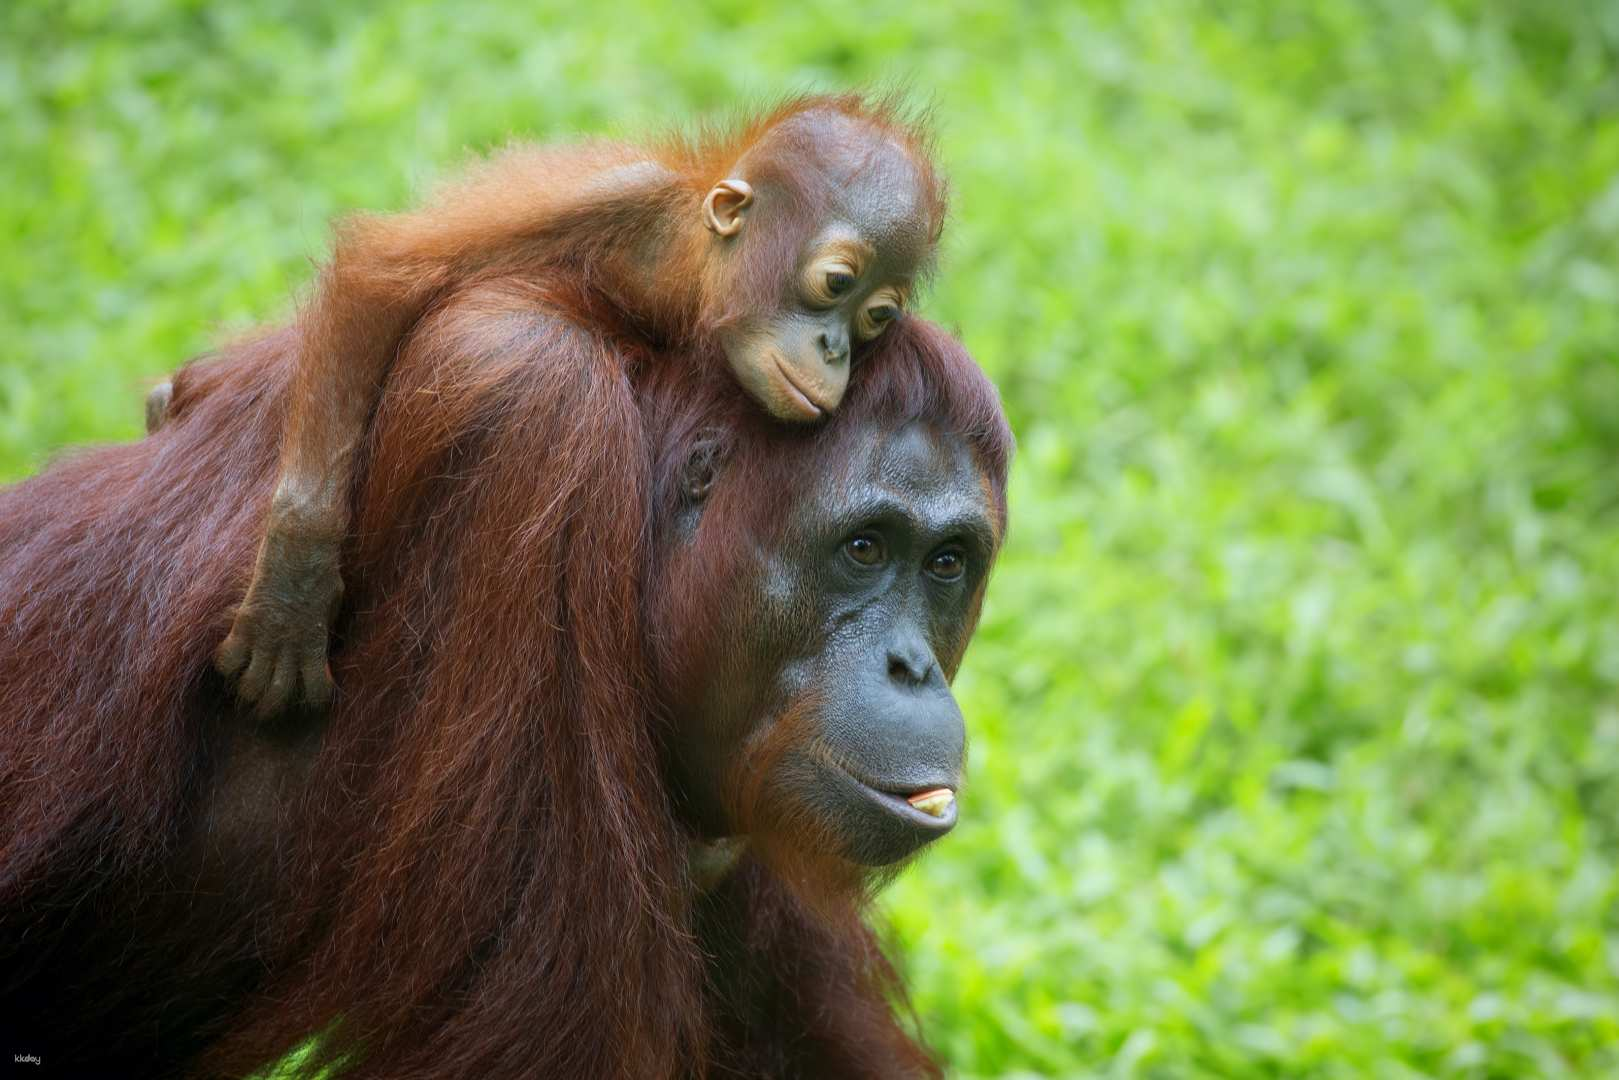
[(1296, 704)]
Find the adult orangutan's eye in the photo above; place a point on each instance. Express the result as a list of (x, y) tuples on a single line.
[(865, 549), (947, 565)]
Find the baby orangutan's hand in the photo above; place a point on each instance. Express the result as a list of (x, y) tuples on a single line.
[(277, 642)]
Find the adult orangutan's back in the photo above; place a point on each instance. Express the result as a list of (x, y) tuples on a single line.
[(113, 564), (167, 862)]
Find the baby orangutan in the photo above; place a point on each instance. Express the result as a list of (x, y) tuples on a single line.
[(780, 247)]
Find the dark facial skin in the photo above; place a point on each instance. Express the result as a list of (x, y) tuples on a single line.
[(838, 642), (854, 276)]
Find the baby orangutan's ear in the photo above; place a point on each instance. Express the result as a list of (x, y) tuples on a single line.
[(722, 209), (702, 466)]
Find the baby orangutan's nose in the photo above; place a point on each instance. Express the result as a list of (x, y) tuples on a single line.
[(835, 352)]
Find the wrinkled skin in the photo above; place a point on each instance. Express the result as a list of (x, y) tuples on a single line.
[(826, 692)]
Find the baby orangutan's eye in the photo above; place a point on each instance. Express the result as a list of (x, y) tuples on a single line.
[(883, 308), (828, 280)]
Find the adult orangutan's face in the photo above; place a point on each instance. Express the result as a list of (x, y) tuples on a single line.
[(822, 706)]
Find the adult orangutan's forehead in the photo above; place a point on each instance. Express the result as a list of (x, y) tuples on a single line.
[(920, 459), (929, 472)]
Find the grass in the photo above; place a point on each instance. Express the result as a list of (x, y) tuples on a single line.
[(1295, 710)]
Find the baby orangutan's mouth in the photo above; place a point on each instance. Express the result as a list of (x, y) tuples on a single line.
[(801, 396)]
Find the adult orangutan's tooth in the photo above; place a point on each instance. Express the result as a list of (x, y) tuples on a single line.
[(933, 803)]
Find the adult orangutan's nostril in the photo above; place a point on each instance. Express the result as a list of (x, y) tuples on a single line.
[(908, 671)]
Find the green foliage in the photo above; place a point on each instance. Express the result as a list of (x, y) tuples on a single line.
[(1296, 732)]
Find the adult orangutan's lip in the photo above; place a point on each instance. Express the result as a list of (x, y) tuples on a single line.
[(894, 796), (799, 396), (900, 803)]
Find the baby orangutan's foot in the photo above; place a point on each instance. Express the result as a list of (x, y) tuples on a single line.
[(277, 643)]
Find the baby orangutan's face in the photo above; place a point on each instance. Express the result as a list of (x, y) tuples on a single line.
[(852, 278)]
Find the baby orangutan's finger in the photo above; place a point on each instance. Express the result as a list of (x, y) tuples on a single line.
[(254, 681), (317, 680), (280, 688), (232, 653)]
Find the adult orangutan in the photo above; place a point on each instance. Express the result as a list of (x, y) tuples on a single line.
[(602, 793), (772, 250)]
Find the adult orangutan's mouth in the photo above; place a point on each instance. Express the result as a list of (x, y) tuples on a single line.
[(930, 806), (924, 803), (935, 802), (940, 817)]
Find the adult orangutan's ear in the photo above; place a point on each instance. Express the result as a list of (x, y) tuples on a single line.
[(723, 208), (702, 467)]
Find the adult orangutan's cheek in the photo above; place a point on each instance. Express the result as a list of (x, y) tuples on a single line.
[(797, 681), (783, 621)]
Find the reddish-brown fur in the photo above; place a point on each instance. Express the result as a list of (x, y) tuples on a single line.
[(609, 232), (474, 867)]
